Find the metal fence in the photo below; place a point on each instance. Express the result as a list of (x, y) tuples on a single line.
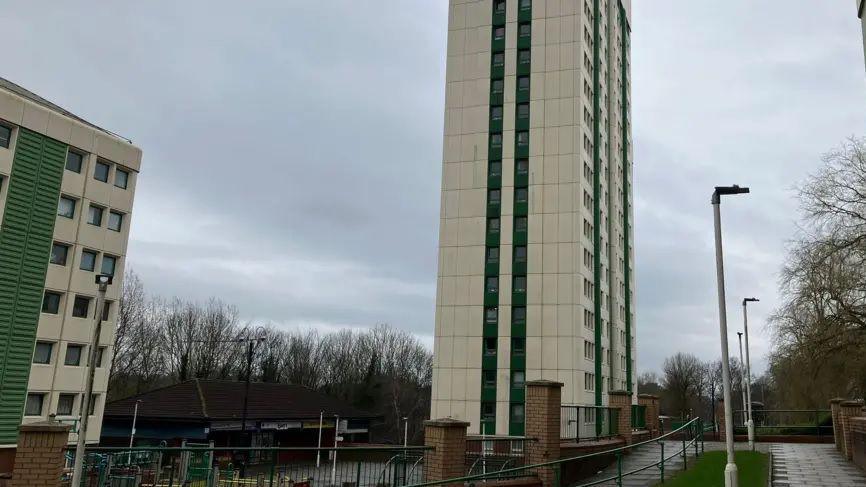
[(786, 422), (588, 423), (258, 467), (492, 454), (689, 436)]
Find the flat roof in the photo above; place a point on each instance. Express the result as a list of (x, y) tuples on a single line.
[(29, 95)]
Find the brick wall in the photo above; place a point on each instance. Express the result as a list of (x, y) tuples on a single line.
[(835, 406), (652, 412), (622, 400), (448, 439), (847, 411), (858, 441), (543, 413), (39, 456)]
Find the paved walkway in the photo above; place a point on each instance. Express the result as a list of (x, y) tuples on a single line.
[(813, 466)]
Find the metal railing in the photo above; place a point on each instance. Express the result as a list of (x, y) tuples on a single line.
[(588, 423), (491, 454), (688, 436), (638, 417), (230, 467), (787, 422)]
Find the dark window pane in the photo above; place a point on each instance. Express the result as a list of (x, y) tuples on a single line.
[(493, 225), (115, 221), (489, 378), (524, 56), (73, 355), (523, 83), (499, 33), (488, 410), (520, 224), (523, 110), (517, 413), (518, 314), (522, 138), (499, 6), (94, 215), (492, 284), (491, 315), (523, 166), (518, 346), (100, 172), (520, 253), (100, 352), (525, 4), (519, 284), (108, 265), (91, 409), (121, 178), (59, 253), (51, 303), (88, 260), (66, 207), (496, 112), (489, 346), (498, 59), (74, 161), (518, 379), (497, 86), (494, 196), (33, 406), (525, 30), (495, 168), (80, 307), (492, 255), (5, 136), (42, 353), (65, 404), (521, 195), (106, 310), (496, 140)]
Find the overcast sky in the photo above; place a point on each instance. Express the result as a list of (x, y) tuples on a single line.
[(292, 150)]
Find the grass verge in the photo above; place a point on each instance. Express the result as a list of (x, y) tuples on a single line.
[(753, 469)]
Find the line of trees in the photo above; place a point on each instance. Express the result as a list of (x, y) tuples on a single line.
[(820, 328), (161, 342), (690, 387)]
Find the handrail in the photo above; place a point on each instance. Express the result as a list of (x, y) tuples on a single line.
[(553, 463), (111, 449)]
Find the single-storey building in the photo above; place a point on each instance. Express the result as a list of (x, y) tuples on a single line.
[(202, 411)]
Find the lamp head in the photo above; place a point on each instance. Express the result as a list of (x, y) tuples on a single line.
[(727, 190), (739, 334), (750, 300), (104, 279)]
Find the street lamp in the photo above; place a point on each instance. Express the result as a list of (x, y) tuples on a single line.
[(134, 418), (750, 424), (742, 378), (731, 467), (102, 283)]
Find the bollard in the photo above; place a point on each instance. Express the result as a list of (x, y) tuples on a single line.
[(662, 466)]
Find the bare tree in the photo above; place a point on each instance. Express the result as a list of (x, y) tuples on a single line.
[(681, 381)]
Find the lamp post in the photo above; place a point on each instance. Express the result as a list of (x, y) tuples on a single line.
[(102, 283), (750, 424), (334, 458), (731, 467), (742, 378), (134, 418)]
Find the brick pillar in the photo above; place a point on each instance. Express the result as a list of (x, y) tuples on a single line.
[(651, 403), (835, 407), (39, 456), (621, 400), (858, 426), (448, 439), (543, 413), (848, 410), (720, 417)]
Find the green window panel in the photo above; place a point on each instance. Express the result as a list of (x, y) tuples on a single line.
[(25, 245)]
